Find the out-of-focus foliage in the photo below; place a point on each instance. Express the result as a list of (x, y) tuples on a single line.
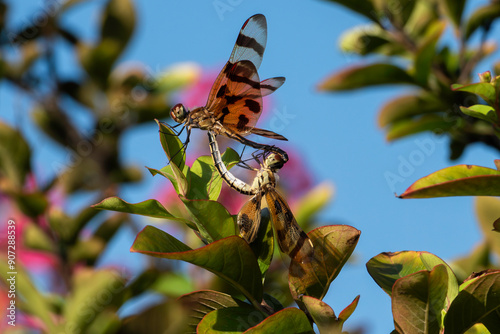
[(408, 39), (413, 49)]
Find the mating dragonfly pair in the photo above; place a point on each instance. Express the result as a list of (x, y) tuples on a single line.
[(233, 108)]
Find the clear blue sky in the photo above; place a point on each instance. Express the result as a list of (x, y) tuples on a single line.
[(336, 134)]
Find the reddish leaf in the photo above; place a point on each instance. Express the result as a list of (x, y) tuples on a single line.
[(230, 258), (333, 245), (461, 180)]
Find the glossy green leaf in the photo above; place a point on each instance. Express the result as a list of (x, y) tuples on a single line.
[(149, 208), (387, 268), (200, 303), (454, 10), (316, 199), (364, 76), (14, 156), (488, 211), (482, 17), (289, 320), (212, 219), (363, 7), (406, 127), (174, 150), (419, 299), (333, 245), (172, 146), (460, 180), (481, 111), (89, 288), (230, 258), (407, 106), (478, 329), (205, 181), (483, 89), (32, 301), (323, 315), (478, 302), (263, 245), (230, 320)]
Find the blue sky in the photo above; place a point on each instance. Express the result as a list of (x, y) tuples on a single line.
[(336, 134)]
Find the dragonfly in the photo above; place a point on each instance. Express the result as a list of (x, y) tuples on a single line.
[(234, 103), (292, 240)]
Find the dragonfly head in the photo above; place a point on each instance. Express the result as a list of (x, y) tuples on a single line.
[(274, 162), (179, 113)]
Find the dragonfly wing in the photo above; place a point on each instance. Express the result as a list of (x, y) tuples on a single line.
[(251, 41), (292, 240), (249, 218)]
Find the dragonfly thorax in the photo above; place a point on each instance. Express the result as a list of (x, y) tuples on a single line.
[(274, 162), (179, 113)]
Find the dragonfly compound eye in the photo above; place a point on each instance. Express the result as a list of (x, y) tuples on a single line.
[(274, 161), (178, 113)]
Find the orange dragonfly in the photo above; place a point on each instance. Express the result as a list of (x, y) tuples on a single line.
[(292, 240), (235, 101)]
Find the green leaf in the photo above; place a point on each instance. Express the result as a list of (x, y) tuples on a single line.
[(333, 245), (488, 211), (482, 17), (172, 284), (200, 303), (230, 258), (172, 146), (289, 320), (118, 24), (34, 303), (230, 320), (323, 315), (460, 180), (406, 127), (14, 156), (453, 9), (481, 111), (212, 219), (419, 299), (263, 245), (205, 181), (363, 7), (168, 173), (477, 302), (89, 288), (364, 76), (423, 16), (387, 268), (425, 55), (176, 155), (484, 89), (407, 106), (369, 39), (149, 208)]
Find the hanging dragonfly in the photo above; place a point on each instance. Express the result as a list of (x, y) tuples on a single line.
[(235, 101), (292, 240)]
